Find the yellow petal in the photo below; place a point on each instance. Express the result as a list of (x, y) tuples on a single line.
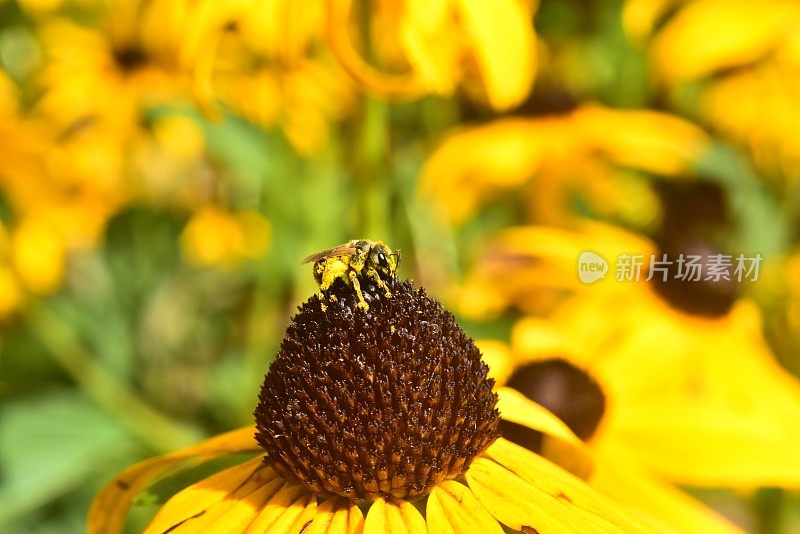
[(535, 339), (566, 449), (288, 511), (38, 253), (555, 497), (503, 42), (453, 509), (517, 408), (708, 35), (110, 507), (671, 506), (394, 518), (421, 34), (497, 355), (337, 516), (470, 168), (640, 16), (711, 447), (643, 139), (198, 498)]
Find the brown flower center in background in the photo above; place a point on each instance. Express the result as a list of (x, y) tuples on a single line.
[(696, 217), (565, 390), (707, 297), (129, 57), (384, 403)]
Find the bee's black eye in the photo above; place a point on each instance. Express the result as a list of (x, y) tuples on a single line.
[(382, 260)]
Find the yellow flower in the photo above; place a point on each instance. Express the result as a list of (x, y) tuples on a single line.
[(11, 294), (487, 47), (366, 436), (710, 408), (577, 397), (267, 61), (532, 268), (747, 54), (215, 236), (38, 253), (689, 391), (109, 75), (710, 35), (588, 152)]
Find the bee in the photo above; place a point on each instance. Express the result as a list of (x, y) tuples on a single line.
[(349, 261)]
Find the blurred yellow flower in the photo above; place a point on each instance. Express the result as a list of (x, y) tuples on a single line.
[(38, 253), (10, 292), (107, 74), (536, 267), (587, 152), (267, 61), (748, 55), (489, 48), (575, 396), (710, 35), (710, 407), (215, 236)]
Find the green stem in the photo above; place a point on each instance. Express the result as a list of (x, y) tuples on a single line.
[(370, 155), (150, 426)]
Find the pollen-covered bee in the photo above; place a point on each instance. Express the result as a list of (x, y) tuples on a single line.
[(356, 258)]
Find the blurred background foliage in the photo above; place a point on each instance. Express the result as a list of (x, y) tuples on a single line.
[(166, 164)]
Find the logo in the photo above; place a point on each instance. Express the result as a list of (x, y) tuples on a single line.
[(591, 267)]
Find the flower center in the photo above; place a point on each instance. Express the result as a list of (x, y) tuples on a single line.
[(129, 57), (571, 394), (384, 403), (694, 289), (696, 215)]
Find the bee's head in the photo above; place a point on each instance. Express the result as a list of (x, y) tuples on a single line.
[(384, 260)]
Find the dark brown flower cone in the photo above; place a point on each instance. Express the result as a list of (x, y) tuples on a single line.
[(383, 403)]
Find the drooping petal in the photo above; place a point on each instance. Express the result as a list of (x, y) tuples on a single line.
[(671, 506), (643, 139), (337, 516), (453, 509), (394, 518), (708, 35), (197, 499), (523, 489), (561, 445), (434, 59), (503, 42), (711, 447), (640, 16), (110, 506)]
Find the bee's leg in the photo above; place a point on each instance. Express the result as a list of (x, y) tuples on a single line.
[(325, 278), (357, 286), (372, 273)]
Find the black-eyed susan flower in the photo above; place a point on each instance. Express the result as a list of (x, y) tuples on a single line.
[(108, 74), (591, 155), (269, 63), (742, 59), (379, 421), (488, 48), (686, 390)]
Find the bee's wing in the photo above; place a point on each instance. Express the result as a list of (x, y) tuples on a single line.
[(341, 250)]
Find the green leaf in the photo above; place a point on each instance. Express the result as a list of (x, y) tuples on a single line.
[(50, 445)]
